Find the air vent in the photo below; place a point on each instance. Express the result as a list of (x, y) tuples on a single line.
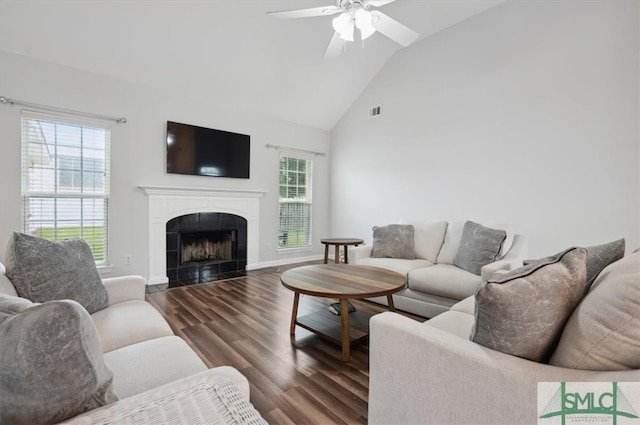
[(374, 111)]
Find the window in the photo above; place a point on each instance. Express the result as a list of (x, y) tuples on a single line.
[(65, 180), (295, 202)]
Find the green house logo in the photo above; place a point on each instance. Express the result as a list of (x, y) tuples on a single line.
[(590, 403)]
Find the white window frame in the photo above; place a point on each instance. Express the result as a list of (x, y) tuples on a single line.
[(43, 199), (308, 201)]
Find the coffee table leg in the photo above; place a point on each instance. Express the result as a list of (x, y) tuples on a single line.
[(346, 344), (294, 313), (390, 302)]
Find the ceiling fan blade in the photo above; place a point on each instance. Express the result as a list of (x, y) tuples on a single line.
[(393, 29), (335, 47), (379, 3), (306, 13)]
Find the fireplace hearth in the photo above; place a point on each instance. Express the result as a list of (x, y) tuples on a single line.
[(204, 247)]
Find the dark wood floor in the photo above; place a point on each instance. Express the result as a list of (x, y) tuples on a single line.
[(244, 323)]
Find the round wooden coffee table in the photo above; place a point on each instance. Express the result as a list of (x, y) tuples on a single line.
[(344, 282)]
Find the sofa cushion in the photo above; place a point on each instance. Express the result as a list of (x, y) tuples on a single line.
[(454, 234), (453, 322), (43, 270), (604, 330), (397, 265), (444, 280), (53, 367), (393, 241), (129, 322), (523, 313), (428, 237), (149, 364), (479, 246)]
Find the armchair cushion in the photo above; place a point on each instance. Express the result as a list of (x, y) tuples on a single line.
[(43, 270), (53, 367), (523, 313), (479, 246), (393, 241), (604, 330)]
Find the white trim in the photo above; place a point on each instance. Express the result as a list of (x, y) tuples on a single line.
[(166, 203), (277, 263)]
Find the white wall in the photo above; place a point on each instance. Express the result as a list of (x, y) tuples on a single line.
[(527, 113), (138, 153)]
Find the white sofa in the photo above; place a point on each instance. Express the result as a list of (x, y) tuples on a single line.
[(154, 371), (432, 373), (434, 283)]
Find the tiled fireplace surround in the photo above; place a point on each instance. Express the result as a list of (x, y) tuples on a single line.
[(168, 203)]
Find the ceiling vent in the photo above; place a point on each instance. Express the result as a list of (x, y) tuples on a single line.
[(375, 111)]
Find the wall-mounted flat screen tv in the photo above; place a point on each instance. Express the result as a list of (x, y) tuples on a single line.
[(207, 152)]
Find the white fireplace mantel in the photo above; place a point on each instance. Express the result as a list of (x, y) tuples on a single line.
[(166, 203)]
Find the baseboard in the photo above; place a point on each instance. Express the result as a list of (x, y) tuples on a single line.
[(264, 264)]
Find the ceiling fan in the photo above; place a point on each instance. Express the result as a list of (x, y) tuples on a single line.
[(355, 14)]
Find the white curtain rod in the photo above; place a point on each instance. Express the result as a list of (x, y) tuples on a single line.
[(66, 111), (284, 148)]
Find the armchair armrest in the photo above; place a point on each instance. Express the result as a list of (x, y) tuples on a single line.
[(359, 252), (465, 382), (125, 288)]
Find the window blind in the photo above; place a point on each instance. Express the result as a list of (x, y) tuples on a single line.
[(65, 179), (295, 190)]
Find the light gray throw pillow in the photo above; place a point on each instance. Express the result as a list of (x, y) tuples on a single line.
[(479, 246), (43, 270), (523, 313), (52, 363), (603, 333), (393, 241)]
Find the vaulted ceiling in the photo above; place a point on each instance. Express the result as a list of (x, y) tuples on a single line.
[(228, 51)]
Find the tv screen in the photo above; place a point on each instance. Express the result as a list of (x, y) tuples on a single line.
[(207, 152)]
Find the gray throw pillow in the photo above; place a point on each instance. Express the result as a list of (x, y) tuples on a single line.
[(43, 270), (393, 241), (52, 364), (603, 333), (523, 313), (479, 246), (598, 257)]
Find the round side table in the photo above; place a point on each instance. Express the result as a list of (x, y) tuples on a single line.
[(338, 242)]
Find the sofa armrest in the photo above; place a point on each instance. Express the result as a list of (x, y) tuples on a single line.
[(125, 288), (217, 395), (490, 270), (359, 252), (419, 372), (518, 252)]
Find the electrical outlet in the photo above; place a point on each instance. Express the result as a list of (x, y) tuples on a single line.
[(128, 259)]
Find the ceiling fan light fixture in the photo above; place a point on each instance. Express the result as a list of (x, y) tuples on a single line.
[(364, 22), (344, 26)]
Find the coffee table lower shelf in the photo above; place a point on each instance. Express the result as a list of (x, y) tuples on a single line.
[(329, 325)]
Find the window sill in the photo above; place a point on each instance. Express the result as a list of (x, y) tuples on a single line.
[(294, 250)]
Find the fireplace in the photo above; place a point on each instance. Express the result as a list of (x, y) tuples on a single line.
[(204, 247), (166, 203)]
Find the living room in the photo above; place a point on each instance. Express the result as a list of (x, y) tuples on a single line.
[(526, 113)]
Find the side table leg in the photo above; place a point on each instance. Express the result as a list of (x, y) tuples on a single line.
[(346, 343), (294, 313), (346, 254), (336, 259), (326, 253), (390, 302)]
